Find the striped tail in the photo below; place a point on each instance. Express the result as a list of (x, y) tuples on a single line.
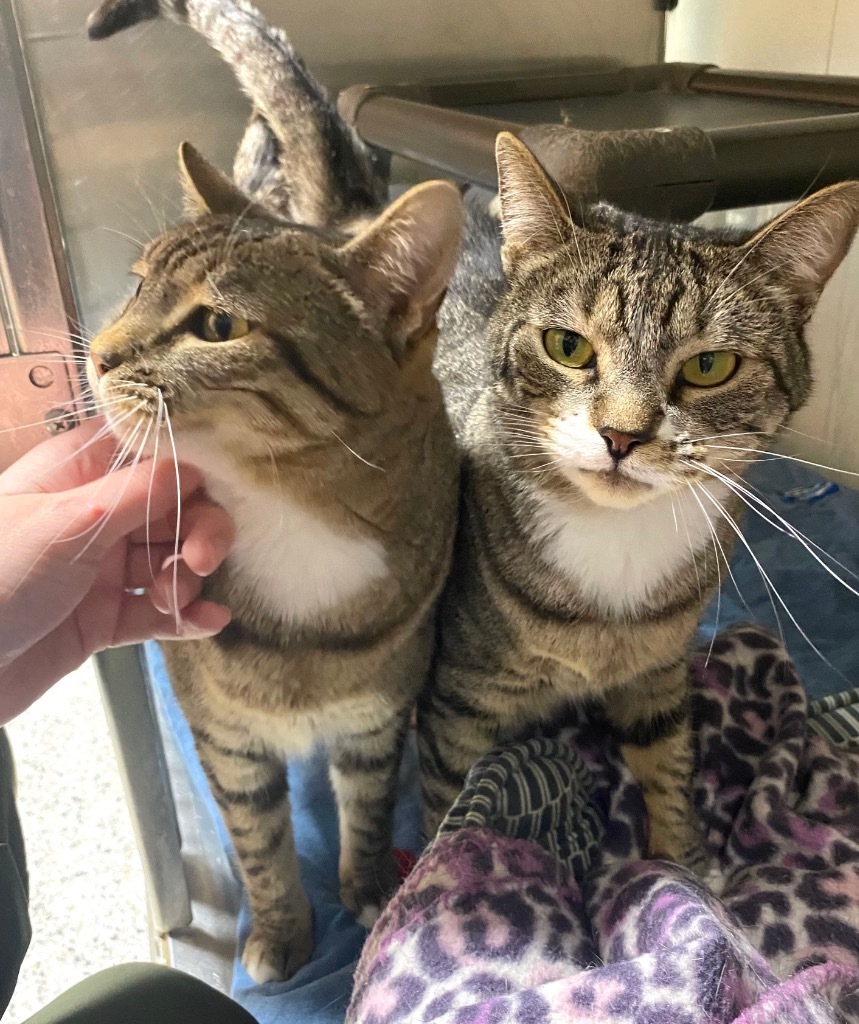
[(298, 157)]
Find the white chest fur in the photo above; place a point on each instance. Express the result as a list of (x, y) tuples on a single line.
[(618, 557), (298, 565)]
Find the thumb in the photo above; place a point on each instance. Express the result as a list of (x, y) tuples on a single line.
[(105, 511)]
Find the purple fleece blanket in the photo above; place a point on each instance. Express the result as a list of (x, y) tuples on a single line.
[(490, 929)]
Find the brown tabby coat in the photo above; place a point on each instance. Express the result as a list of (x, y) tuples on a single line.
[(592, 533), (319, 426)]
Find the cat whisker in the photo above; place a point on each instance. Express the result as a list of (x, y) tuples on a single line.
[(750, 462), (725, 559), (53, 358), (157, 214), (719, 585), (122, 455), (233, 236), (73, 455), (122, 234), (692, 552), (811, 437), (119, 456), (674, 514), (360, 458), (757, 504), (70, 406), (774, 591), (789, 458), (107, 516), (214, 287), (523, 438), (65, 336), (178, 517), (158, 420), (719, 437), (105, 431)]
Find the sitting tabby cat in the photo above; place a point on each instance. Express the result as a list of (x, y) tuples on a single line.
[(586, 371), (293, 364)]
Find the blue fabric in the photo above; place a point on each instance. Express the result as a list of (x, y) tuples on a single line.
[(827, 612)]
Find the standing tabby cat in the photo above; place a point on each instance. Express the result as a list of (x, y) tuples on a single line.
[(293, 364), (588, 406)]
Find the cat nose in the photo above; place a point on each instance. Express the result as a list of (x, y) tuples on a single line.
[(104, 361), (620, 444)]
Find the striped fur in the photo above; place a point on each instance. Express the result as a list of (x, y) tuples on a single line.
[(322, 431), (297, 156), (575, 578)]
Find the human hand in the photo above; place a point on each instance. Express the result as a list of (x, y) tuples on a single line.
[(74, 547)]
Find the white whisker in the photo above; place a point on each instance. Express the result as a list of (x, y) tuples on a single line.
[(178, 520), (105, 519), (778, 596), (158, 419), (756, 504), (779, 455), (360, 458), (692, 550)]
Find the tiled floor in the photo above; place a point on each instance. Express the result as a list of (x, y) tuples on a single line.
[(87, 900)]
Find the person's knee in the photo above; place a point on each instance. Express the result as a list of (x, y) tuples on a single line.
[(139, 993)]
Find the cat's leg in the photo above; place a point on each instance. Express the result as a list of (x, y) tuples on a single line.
[(462, 715), (250, 787), (650, 717), (364, 768)]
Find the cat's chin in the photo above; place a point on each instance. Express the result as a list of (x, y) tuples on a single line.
[(612, 489)]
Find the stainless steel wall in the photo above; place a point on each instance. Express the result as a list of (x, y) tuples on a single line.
[(113, 113)]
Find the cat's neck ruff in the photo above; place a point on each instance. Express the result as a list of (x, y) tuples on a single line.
[(620, 558), (299, 566)]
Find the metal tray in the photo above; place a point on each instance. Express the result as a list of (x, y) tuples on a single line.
[(666, 140)]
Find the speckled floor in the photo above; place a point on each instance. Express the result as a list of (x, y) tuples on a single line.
[(87, 895)]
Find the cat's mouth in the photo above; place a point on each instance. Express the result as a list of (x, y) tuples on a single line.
[(614, 487)]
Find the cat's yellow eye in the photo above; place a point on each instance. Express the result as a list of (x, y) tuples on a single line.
[(568, 348), (219, 326), (708, 369)]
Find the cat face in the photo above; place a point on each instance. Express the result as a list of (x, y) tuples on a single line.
[(627, 352), (263, 336)]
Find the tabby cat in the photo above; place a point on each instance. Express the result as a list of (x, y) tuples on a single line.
[(591, 372), (285, 335)]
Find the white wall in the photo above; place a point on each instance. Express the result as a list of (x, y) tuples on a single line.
[(814, 37)]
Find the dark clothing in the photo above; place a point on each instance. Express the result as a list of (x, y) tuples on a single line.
[(132, 993)]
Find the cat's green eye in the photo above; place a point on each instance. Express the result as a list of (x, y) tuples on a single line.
[(217, 326), (708, 369), (569, 348)]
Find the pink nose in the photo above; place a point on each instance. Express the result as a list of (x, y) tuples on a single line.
[(102, 362), (620, 444)]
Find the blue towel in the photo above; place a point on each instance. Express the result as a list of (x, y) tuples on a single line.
[(829, 615)]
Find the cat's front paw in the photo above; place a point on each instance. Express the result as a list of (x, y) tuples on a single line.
[(276, 955), (366, 896)]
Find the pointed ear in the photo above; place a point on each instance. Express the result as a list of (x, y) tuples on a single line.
[(534, 217), (402, 263), (807, 242), (208, 190)]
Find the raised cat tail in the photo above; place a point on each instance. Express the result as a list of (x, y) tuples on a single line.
[(298, 157)]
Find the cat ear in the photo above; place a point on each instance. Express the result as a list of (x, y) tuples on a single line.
[(208, 190), (403, 261), (533, 215), (805, 245)]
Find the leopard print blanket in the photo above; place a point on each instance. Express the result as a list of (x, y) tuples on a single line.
[(494, 928)]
